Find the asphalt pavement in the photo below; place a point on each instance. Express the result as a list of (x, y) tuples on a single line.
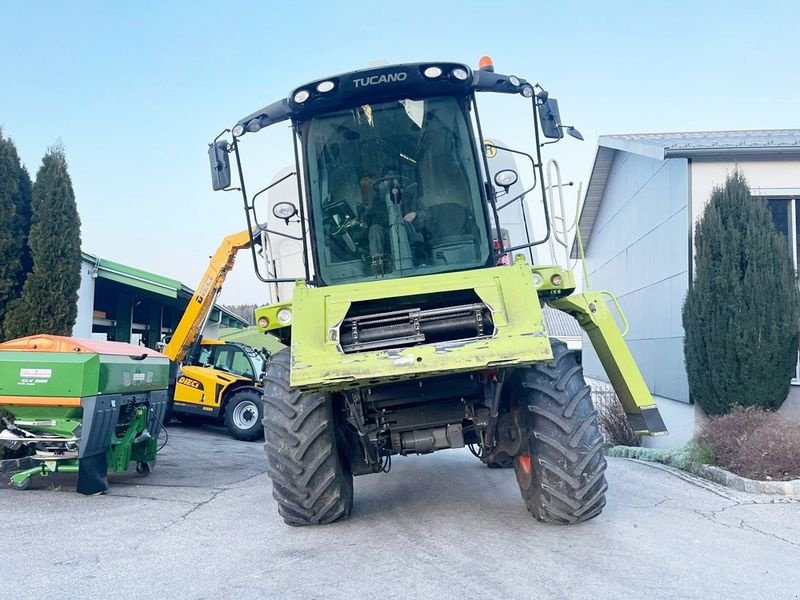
[(203, 524)]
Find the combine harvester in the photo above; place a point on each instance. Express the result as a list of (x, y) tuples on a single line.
[(87, 406), (416, 325)]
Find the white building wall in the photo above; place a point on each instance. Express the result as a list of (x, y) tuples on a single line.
[(83, 321), (639, 251), (766, 178)]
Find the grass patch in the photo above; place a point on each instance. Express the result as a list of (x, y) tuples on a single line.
[(682, 458)]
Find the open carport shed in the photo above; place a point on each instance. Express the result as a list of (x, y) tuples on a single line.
[(125, 304)]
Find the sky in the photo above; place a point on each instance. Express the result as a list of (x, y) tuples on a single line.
[(135, 91)]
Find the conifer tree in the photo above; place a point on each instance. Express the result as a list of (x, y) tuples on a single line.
[(50, 294), (22, 203), (742, 313), (15, 198)]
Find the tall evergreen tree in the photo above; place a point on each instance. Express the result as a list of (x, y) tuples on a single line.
[(22, 203), (15, 198), (742, 313), (50, 294)]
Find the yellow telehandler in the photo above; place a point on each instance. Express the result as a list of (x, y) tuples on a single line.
[(211, 379)]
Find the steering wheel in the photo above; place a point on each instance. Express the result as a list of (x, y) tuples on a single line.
[(344, 228), (403, 181)]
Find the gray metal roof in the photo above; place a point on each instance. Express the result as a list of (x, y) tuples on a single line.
[(560, 324), (705, 143), (661, 146)]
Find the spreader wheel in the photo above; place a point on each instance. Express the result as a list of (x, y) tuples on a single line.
[(22, 485)]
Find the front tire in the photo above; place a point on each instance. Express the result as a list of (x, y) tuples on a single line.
[(310, 479), (243, 415), (560, 467)]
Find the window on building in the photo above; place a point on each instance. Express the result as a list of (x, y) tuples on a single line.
[(781, 209), (786, 217)]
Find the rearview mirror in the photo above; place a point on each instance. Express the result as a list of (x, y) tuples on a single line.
[(220, 165), (550, 119)]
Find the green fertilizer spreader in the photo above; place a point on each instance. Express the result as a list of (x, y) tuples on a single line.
[(86, 406)]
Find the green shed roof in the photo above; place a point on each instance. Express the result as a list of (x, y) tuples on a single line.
[(157, 284), (106, 269)]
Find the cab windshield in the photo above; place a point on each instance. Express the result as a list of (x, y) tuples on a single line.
[(394, 191)]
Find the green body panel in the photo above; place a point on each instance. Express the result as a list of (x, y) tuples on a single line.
[(318, 363), (49, 374), (593, 315), (125, 375), (512, 292), (62, 374)]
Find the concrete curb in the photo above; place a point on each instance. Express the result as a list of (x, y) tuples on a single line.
[(715, 474)]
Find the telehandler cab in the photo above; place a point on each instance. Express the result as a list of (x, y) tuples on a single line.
[(416, 326)]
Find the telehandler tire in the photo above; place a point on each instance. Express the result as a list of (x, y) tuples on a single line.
[(310, 480), (560, 468), (243, 415)]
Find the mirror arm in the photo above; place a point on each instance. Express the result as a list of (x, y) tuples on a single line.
[(515, 198), (281, 234), (271, 185), (533, 166), (221, 133)]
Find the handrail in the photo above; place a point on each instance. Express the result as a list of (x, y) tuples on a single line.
[(613, 299)]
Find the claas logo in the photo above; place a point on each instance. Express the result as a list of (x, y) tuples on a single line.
[(188, 381)]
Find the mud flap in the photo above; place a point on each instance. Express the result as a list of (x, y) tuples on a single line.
[(93, 474), (593, 315)]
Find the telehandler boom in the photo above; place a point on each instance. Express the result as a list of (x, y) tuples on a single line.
[(213, 379)]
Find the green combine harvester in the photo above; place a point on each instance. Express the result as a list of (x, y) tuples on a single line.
[(415, 324), (86, 406)]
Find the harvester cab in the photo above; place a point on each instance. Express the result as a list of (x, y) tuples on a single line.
[(416, 324)]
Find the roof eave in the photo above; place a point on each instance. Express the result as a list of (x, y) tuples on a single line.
[(601, 168), (760, 152)]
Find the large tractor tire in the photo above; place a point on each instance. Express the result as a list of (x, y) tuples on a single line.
[(560, 467), (310, 480), (243, 414)]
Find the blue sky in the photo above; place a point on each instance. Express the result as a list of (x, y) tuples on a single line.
[(136, 90)]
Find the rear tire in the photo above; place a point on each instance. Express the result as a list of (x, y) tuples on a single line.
[(310, 480), (243, 415), (560, 468)]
